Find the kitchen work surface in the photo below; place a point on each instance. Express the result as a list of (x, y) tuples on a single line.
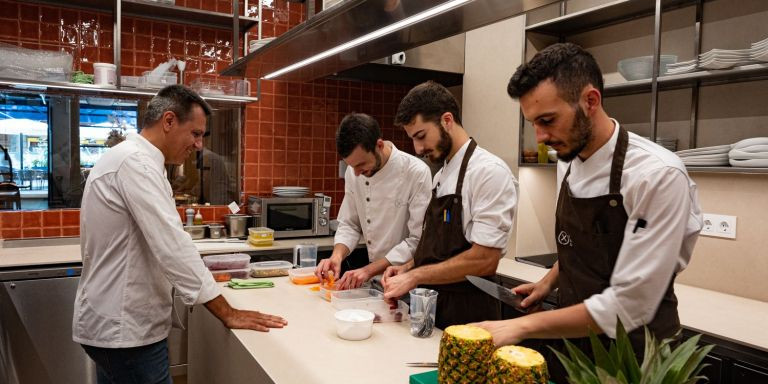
[(308, 350), (728, 317)]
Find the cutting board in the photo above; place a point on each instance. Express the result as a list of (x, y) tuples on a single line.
[(428, 377)]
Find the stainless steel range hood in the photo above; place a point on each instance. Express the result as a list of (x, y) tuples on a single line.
[(352, 19)]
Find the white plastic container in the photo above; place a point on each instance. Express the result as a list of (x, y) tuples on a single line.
[(104, 74), (354, 324)]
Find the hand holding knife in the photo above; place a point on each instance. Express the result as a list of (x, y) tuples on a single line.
[(505, 295)]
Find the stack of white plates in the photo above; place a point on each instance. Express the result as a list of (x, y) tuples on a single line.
[(750, 153), (289, 191), (705, 156), (725, 58), (669, 143), (681, 67), (760, 50)]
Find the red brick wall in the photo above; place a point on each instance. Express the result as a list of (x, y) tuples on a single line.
[(288, 136)]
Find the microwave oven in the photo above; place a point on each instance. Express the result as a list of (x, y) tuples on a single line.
[(292, 216)]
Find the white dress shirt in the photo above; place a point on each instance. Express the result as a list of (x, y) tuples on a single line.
[(387, 208), (655, 187), (488, 196), (134, 251)]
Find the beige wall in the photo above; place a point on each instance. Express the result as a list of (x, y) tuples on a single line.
[(492, 54), (737, 266)]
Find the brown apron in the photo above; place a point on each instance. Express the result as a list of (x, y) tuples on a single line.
[(590, 232), (442, 237)]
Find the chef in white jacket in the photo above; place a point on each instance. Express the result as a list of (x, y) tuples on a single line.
[(385, 196)]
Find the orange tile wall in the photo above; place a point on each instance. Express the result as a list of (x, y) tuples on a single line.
[(288, 136)]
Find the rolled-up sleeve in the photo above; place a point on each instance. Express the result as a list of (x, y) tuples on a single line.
[(417, 206), (159, 222), (493, 205), (349, 229), (649, 257)]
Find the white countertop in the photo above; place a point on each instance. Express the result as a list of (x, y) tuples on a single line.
[(729, 317), (718, 314), (62, 254), (308, 349)]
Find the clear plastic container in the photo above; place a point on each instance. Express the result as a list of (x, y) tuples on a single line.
[(229, 274), (261, 236), (303, 276), (230, 261), (221, 87), (370, 300), (148, 80), (270, 268), (130, 81)]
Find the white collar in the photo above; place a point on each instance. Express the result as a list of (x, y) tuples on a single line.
[(154, 153), (604, 153)]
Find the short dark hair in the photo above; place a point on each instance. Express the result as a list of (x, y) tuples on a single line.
[(430, 100), (569, 66), (177, 99), (357, 129)]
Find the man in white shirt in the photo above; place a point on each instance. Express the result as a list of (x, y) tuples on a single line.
[(628, 215), (385, 194), (470, 214), (135, 251)]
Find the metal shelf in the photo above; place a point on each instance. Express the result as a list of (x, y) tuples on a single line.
[(684, 80), (158, 11), (44, 86), (601, 16), (538, 165), (694, 169)]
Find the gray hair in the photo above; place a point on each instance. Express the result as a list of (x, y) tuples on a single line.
[(174, 98)]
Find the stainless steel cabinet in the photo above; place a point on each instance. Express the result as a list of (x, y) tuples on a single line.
[(36, 333)]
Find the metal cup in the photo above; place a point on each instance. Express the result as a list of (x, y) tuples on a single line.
[(423, 311)]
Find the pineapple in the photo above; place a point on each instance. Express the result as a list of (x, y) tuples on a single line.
[(517, 365), (618, 364), (465, 351)]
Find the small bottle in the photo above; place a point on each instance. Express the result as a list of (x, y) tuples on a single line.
[(543, 156), (190, 216), (198, 218)]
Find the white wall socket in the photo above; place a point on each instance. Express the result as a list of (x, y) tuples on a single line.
[(719, 226)]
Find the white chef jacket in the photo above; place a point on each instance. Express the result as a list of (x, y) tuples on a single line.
[(488, 196), (387, 208), (134, 250), (655, 187)]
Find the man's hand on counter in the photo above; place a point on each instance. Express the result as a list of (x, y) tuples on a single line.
[(239, 319)]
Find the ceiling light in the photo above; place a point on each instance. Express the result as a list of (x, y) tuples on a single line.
[(371, 36)]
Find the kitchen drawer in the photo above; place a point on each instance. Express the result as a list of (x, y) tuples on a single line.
[(745, 374), (714, 370)]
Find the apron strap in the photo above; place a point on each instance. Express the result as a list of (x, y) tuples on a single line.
[(464, 162), (618, 161), (617, 166)]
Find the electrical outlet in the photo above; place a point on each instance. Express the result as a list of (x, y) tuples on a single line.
[(719, 226)]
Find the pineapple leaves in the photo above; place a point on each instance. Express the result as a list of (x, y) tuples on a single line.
[(663, 363)]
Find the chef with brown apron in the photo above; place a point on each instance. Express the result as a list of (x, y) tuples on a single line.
[(443, 238), (590, 232)]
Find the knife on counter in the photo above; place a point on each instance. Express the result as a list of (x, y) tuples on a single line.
[(505, 295), (422, 364)]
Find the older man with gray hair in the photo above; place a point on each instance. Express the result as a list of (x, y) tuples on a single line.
[(135, 251)]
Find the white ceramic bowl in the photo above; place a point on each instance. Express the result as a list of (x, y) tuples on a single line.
[(637, 68), (354, 324)]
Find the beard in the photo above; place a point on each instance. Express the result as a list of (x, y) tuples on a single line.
[(377, 166), (581, 134), (443, 147)]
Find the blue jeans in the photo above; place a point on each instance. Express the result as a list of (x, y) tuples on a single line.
[(147, 364)]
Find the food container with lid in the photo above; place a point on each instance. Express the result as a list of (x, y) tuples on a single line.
[(270, 268), (303, 276), (197, 232), (229, 274), (230, 261), (261, 236), (370, 300), (354, 324)]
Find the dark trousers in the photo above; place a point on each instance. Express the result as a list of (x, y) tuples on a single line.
[(147, 364)]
